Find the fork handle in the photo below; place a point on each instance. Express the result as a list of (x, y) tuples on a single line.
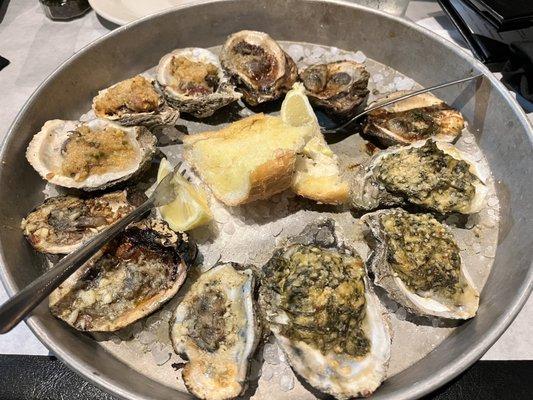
[(398, 99), (21, 304)]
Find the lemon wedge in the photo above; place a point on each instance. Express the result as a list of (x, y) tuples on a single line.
[(317, 175), (190, 209), (296, 109)]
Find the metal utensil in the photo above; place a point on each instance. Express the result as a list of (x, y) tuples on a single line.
[(338, 129), (20, 305)]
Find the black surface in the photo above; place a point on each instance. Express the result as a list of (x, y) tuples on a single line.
[(46, 378), (506, 13)]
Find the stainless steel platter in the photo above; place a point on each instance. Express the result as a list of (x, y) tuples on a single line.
[(499, 128)]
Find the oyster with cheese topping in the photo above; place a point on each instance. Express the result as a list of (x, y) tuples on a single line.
[(432, 175), (417, 118), (416, 260), (317, 299), (61, 224), (215, 326), (338, 87), (257, 64), (94, 155), (132, 102), (193, 81), (128, 279)]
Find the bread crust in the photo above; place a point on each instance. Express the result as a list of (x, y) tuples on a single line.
[(321, 189), (269, 178)]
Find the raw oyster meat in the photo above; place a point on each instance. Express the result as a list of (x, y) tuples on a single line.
[(317, 299), (215, 326), (432, 175), (133, 102), (417, 261), (193, 82), (131, 277), (61, 224), (418, 118), (90, 156), (338, 87), (260, 68)]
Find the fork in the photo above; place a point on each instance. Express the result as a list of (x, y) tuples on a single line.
[(21, 304), (338, 129)]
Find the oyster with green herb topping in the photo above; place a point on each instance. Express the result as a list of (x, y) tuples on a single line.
[(320, 307), (432, 175), (416, 260), (215, 326)]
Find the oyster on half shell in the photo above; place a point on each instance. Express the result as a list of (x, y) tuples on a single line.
[(61, 224), (433, 175), (215, 326), (128, 279), (338, 87), (416, 260), (194, 82), (90, 156), (317, 299), (417, 118), (133, 102), (260, 68)]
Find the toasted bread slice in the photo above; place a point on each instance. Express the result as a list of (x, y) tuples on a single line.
[(317, 175), (251, 159)]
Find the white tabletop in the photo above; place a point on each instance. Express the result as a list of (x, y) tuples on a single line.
[(36, 46)]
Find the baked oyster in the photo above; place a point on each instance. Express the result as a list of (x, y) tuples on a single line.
[(133, 102), (432, 175), (92, 155), (215, 326), (416, 260), (417, 118), (61, 224), (317, 299), (194, 82), (260, 68), (128, 279), (339, 87)]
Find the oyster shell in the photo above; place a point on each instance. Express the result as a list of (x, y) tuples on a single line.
[(416, 260), (317, 299), (433, 175), (259, 67), (418, 118), (216, 328), (131, 277), (338, 87), (194, 82), (90, 156), (133, 102), (61, 224)]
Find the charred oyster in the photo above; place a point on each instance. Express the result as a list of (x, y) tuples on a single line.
[(216, 328), (432, 175), (128, 279), (193, 81), (324, 315), (61, 224), (417, 261), (420, 117), (132, 102), (339, 87), (92, 155), (259, 67)]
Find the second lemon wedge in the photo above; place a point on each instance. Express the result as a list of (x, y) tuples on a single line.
[(190, 209)]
